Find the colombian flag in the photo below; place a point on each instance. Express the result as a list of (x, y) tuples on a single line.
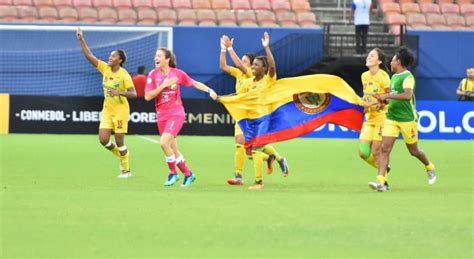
[(294, 107)]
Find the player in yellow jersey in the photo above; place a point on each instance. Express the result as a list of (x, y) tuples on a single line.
[(241, 72), (118, 87), (374, 81), (264, 76)]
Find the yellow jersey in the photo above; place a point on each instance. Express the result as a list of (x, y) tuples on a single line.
[(467, 85), (238, 75), (119, 80), (375, 84), (249, 85)]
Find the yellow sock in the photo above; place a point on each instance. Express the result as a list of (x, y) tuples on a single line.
[(430, 167), (265, 157), (239, 158), (125, 162), (116, 151), (257, 165), (381, 179), (270, 150), (371, 161)]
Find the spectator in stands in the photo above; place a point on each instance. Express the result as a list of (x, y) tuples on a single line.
[(139, 80), (361, 11), (465, 89)]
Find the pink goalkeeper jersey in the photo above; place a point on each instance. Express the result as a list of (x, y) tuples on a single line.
[(168, 103)]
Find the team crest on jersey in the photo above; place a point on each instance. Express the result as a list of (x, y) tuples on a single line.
[(312, 103)]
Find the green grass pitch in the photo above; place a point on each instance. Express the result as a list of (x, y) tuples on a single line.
[(60, 198)]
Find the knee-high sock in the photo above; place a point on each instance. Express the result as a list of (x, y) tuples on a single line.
[(181, 163), (257, 165), (171, 161), (115, 150), (270, 150), (124, 160), (239, 158)]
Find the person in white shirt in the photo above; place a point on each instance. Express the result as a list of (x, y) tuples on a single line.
[(361, 10)]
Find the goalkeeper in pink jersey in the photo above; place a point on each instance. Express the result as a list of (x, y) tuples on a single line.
[(163, 85)]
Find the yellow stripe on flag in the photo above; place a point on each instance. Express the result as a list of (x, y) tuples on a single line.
[(4, 113)]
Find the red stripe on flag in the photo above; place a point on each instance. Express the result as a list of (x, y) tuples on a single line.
[(349, 118)]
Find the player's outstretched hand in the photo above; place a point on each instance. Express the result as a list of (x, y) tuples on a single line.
[(79, 34), (213, 94), (266, 40)]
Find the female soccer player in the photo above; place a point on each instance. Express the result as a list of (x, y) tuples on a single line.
[(242, 71), (163, 85), (118, 87), (401, 117), (264, 76), (374, 81)]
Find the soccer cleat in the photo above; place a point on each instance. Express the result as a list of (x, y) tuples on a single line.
[(283, 166), (431, 177), (172, 179), (237, 180), (188, 180), (387, 186), (378, 186), (124, 174), (271, 159), (257, 186)]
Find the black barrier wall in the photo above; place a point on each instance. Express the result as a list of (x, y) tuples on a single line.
[(81, 115)]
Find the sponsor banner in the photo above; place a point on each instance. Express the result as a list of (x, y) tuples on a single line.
[(438, 120), (81, 115)]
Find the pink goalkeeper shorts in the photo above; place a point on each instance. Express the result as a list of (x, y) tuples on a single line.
[(171, 126)]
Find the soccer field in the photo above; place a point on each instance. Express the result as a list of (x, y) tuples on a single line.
[(60, 197)]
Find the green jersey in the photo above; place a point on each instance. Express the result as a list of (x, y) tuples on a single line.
[(402, 110)]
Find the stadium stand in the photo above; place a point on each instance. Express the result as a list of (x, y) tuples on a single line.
[(186, 17), (8, 13), (68, 14), (300, 6), (127, 16), (410, 8), (167, 17), (206, 17), (226, 18), (281, 6), (287, 19), (82, 3), (162, 4), (88, 15), (201, 4), (274, 13), (147, 16), (63, 3), (267, 19), (220, 4), (27, 3), (142, 4), (430, 8), (241, 5), (261, 5), (182, 4), (107, 16), (246, 18)]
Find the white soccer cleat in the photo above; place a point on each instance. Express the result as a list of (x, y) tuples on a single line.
[(431, 177), (377, 186), (125, 175)]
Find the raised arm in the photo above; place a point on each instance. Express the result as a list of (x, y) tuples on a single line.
[(205, 88), (268, 53), (85, 49), (222, 58), (229, 43)]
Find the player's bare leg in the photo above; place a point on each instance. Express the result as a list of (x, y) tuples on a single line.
[(418, 153)]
